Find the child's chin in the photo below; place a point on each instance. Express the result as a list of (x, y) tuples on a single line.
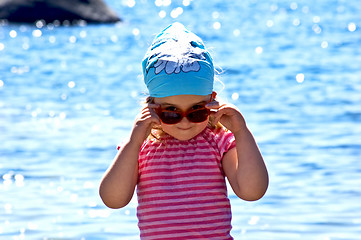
[(185, 136)]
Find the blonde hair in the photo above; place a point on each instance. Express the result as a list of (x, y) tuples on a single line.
[(157, 131)]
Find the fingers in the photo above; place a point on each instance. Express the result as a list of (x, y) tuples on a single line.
[(145, 121), (154, 115), (217, 116), (148, 115), (227, 114), (153, 105), (213, 105), (222, 111)]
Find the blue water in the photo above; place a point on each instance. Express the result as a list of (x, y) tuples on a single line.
[(68, 96)]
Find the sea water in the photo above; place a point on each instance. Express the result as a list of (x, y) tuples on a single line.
[(69, 95)]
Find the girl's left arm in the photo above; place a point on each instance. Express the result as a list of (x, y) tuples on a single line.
[(243, 165), (245, 168)]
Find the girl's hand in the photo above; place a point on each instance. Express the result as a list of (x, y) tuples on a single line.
[(144, 123), (228, 115)]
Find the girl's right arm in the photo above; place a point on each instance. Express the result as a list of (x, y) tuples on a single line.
[(118, 184)]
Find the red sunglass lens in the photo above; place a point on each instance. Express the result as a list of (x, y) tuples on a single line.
[(170, 117), (198, 116)]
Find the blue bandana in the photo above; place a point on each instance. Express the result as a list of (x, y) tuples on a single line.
[(177, 63)]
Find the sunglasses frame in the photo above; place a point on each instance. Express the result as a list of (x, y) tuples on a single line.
[(183, 114)]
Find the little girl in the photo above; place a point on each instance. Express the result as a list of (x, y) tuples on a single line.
[(182, 146)]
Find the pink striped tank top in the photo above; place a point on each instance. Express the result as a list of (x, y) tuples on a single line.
[(181, 189)]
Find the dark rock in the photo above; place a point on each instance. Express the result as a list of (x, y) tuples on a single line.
[(30, 11)]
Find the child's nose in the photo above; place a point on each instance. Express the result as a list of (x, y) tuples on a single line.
[(184, 121)]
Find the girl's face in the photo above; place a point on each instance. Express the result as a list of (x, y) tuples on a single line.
[(184, 130)]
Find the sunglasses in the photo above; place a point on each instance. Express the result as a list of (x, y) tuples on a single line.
[(171, 115)]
